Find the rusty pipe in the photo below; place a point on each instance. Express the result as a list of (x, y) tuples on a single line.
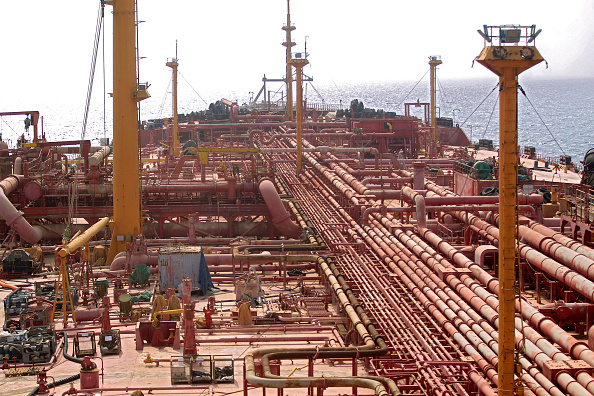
[(387, 180), (577, 349), (454, 208), (565, 255), (272, 328), (552, 267), (523, 199), (451, 298), (98, 157), (280, 215), (460, 309), (169, 188), (419, 201), (384, 194), (150, 389), (342, 171), (11, 215), (244, 253), (371, 172), (369, 349), (216, 262), (435, 307), (562, 239), (570, 380), (264, 338), (355, 225), (334, 180), (374, 209), (320, 149)]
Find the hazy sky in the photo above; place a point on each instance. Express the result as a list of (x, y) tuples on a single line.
[(46, 46)]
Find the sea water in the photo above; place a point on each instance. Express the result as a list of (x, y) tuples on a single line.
[(554, 116)]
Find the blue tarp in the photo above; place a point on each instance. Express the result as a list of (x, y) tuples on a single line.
[(204, 275)]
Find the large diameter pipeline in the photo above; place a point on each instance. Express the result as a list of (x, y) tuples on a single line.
[(545, 325), (101, 190), (562, 239), (178, 230), (356, 226), (492, 316), (579, 262), (569, 277), (97, 158), (280, 215), (11, 215), (210, 229), (386, 180), (216, 262), (567, 382), (412, 196)]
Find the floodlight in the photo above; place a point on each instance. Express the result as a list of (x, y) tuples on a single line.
[(533, 36), (510, 35), (483, 35)]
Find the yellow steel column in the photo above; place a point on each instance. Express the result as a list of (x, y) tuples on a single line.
[(434, 61), (63, 284), (126, 185), (299, 64), (508, 194), (289, 79), (507, 62), (173, 64)]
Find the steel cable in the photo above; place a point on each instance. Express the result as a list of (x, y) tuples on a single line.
[(543, 123), (93, 64)]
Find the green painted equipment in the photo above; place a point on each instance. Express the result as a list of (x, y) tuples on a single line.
[(140, 275)]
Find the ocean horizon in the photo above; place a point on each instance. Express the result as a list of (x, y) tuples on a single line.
[(554, 115)]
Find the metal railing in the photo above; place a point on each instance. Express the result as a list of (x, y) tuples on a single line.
[(581, 204), (280, 106), (553, 161)]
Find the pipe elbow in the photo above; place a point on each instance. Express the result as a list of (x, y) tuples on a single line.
[(15, 219), (118, 262), (280, 215), (421, 211)]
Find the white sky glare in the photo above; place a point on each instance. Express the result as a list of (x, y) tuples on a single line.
[(230, 45)]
